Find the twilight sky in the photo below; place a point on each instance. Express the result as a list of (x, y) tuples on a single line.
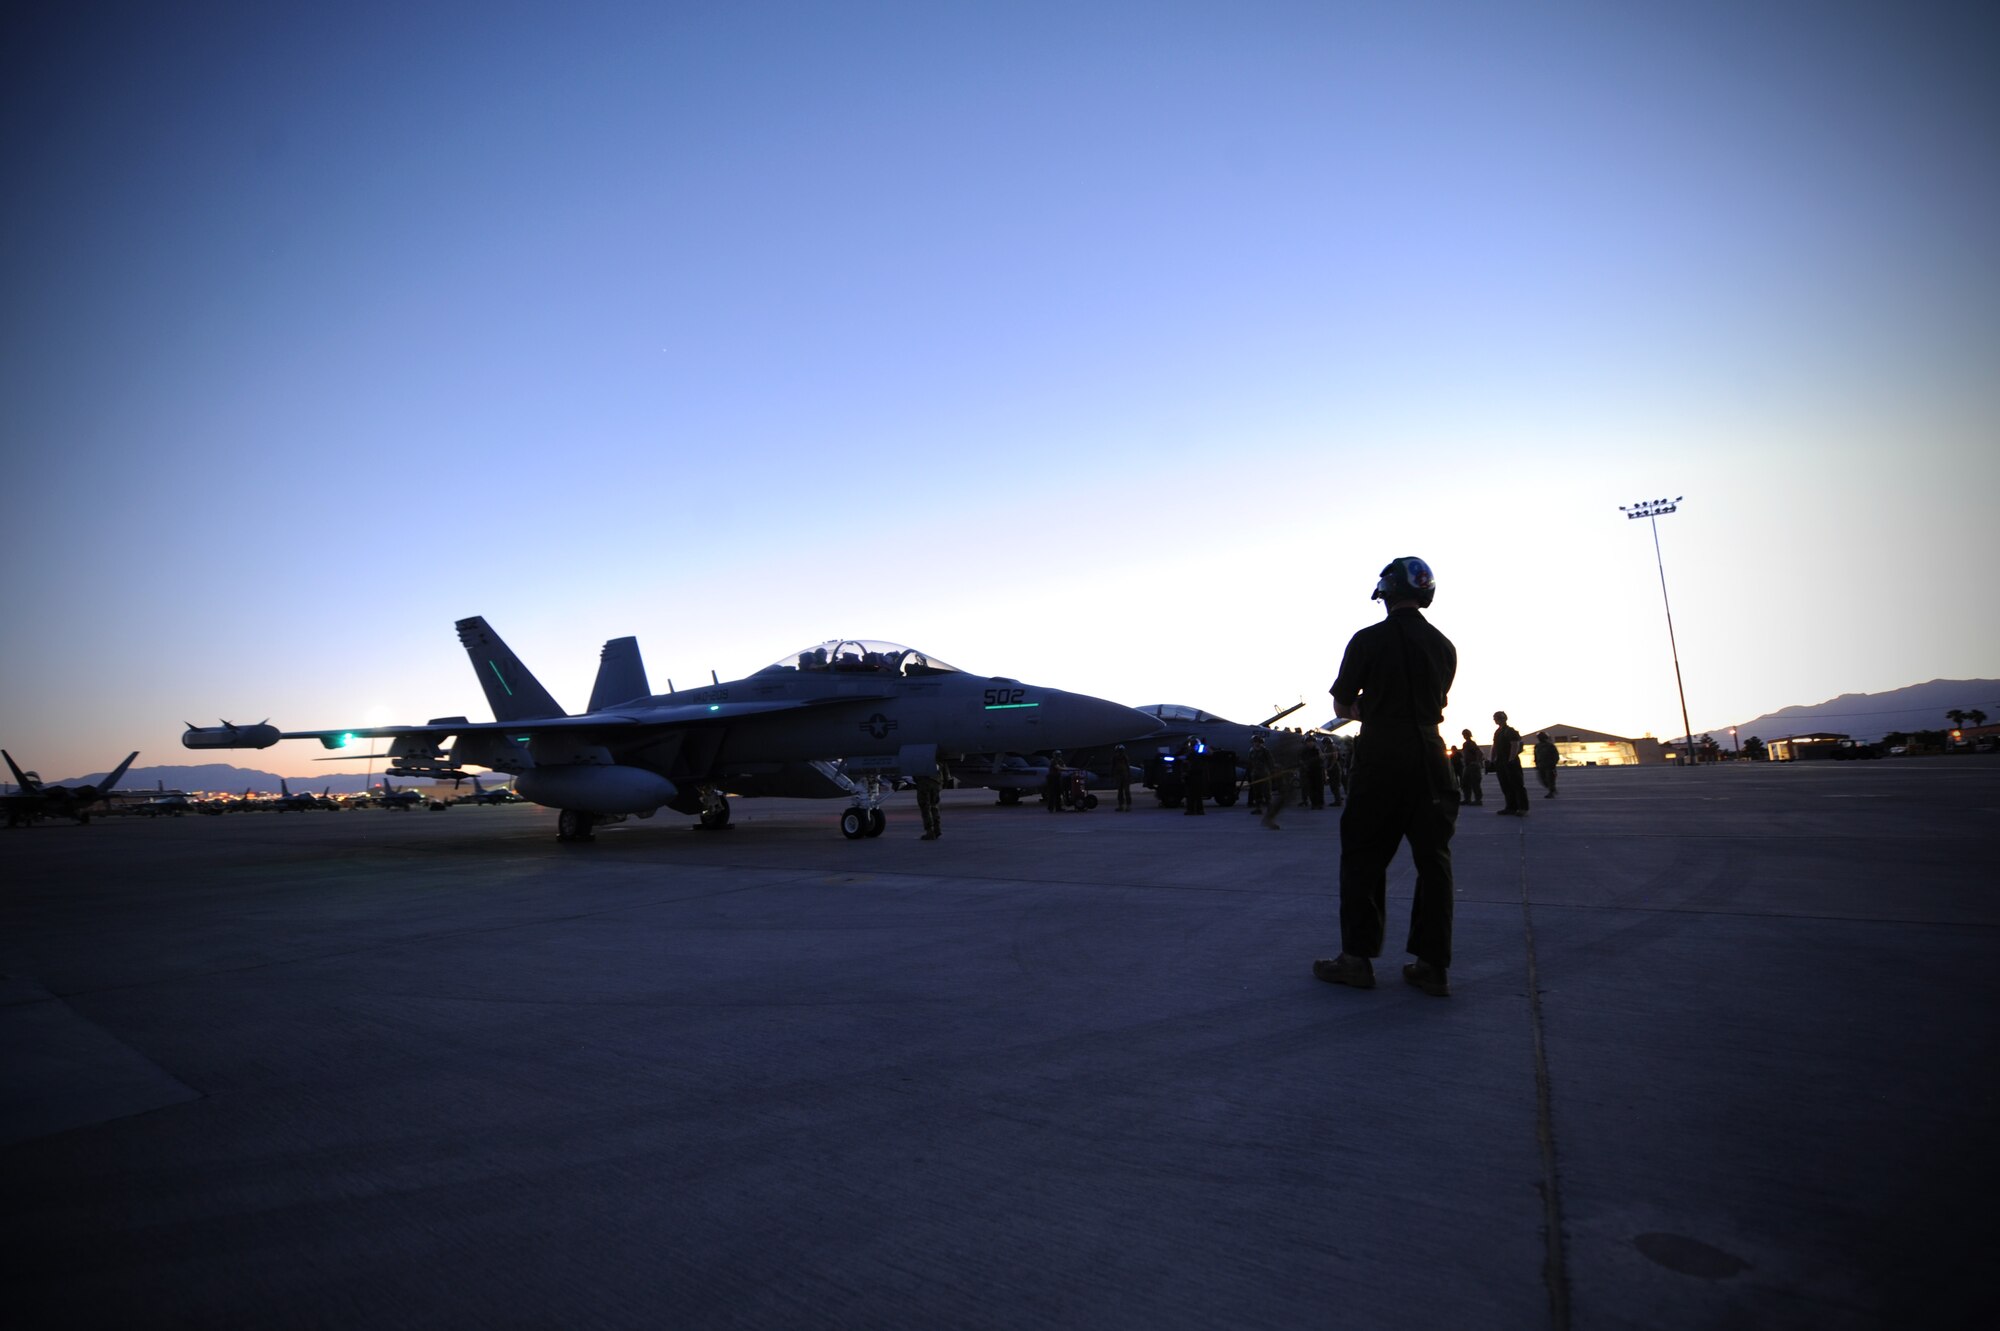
[(1110, 346)]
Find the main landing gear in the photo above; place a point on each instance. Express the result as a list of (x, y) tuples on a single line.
[(714, 810), (865, 818), (575, 825)]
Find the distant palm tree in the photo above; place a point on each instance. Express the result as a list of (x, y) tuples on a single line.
[(1977, 717), (1957, 716)]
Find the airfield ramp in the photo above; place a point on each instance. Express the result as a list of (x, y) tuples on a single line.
[(1721, 1052)]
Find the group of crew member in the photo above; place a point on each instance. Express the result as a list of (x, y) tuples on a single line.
[(1311, 763), (1403, 784)]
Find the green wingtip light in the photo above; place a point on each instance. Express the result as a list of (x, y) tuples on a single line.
[(344, 739), (715, 707)]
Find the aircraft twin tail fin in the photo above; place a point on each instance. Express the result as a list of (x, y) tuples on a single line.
[(111, 782), (513, 693), (20, 777), (621, 675)]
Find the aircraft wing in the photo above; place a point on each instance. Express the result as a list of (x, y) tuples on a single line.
[(610, 723)]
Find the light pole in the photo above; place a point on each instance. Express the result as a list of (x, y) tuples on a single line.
[(1652, 510), (1734, 742)]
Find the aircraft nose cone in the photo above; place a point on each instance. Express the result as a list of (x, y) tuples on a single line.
[(1086, 722)]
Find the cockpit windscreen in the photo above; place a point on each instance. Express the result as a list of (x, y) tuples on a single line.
[(863, 656)]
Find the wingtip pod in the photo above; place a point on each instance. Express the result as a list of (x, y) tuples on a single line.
[(226, 736)]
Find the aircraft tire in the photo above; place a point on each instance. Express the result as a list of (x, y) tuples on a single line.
[(1010, 797), (573, 825), (877, 820), (854, 823)]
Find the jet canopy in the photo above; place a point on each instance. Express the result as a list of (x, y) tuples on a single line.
[(861, 656), (1169, 711)]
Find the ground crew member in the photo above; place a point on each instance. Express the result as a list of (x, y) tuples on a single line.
[(1259, 767), (1194, 776), (1507, 766), (1545, 763), (1284, 777), (1123, 771), (1394, 679), (1471, 770), (1312, 771), (1336, 762), (1052, 788), (929, 785)]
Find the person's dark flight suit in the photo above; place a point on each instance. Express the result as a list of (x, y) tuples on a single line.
[(1400, 786)]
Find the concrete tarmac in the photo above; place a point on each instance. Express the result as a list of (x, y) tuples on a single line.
[(1720, 1052)]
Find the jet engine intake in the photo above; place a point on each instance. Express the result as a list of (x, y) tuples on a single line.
[(594, 788)]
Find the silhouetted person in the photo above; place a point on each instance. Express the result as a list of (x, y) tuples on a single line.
[(1258, 764), (929, 785), (1394, 679), (1122, 770), (1194, 777), (1545, 764), (1053, 786), (1507, 766), (1471, 770), (1312, 772)]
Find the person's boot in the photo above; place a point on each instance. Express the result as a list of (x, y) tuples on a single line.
[(1429, 978), (1354, 972)]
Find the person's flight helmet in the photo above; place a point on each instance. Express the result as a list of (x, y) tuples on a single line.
[(1406, 579)]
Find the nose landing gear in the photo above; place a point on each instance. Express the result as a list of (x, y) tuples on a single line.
[(866, 817)]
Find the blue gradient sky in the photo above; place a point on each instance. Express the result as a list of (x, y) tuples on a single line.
[(1111, 346)]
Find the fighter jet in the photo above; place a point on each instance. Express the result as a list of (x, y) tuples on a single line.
[(303, 801), (481, 795), (392, 798), (828, 721), (36, 800)]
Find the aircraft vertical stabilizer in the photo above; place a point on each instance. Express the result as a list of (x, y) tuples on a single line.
[(20, 777), (621, 675), (111, 782), (515, 695)]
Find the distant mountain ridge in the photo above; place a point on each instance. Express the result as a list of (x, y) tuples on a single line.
[(1869, 716)]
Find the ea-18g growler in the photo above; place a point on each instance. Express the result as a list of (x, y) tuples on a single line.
[(826, 722)]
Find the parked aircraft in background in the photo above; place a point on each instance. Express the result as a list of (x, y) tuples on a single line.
[(874, 708), (481, 795), (302, 802), (391, 798), (34, 800), (162, 801), (1014, 775)]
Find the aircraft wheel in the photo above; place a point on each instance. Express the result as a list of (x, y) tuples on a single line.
[(877, 820), (1010, 797), (573, 825), (714, 820), (854, 823), (1090, 801)]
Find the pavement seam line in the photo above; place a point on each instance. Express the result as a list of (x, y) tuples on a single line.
[(1555, 1268)]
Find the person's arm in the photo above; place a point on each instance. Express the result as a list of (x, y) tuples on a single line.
[(1346, 688)]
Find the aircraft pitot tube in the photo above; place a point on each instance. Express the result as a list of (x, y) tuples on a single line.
[(228, 736)]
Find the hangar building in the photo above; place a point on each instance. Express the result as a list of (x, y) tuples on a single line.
[(1577, 747)]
